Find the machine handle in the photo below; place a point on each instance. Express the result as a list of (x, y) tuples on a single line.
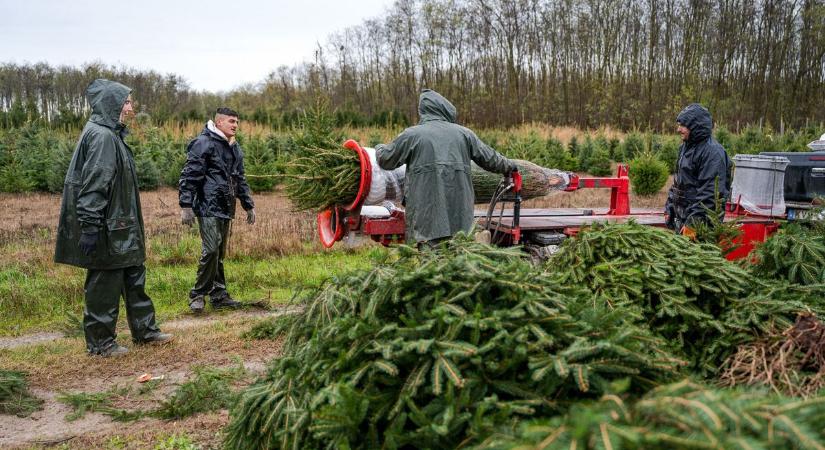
[(573, 184), (517, 181)]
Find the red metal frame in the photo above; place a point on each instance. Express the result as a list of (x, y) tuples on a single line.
[(385, 230), (752, 234), (619, 189)]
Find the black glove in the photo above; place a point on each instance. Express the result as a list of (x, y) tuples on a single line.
[(88, 242), (670, 216)]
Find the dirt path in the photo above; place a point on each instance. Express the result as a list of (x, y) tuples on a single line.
[(181, 323), (59, 365), (28, 339)]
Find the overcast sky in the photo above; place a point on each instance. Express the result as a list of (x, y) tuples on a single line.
[(215, 45)]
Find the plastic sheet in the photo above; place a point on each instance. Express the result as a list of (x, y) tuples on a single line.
[(387, 185), (817, 145), (758, 184)]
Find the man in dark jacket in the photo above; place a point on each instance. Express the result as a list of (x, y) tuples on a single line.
[(209, 183), (101, 225), (439, 189), (703, 173)]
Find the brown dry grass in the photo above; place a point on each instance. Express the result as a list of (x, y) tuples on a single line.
[(32, 219), (563, 133), (204, 429), (790, 362), (597, 198)]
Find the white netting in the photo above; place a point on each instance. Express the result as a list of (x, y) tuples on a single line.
[(558, 180), (387, 185), (818, 145), (758, 184)]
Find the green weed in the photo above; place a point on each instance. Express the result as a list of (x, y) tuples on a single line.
[(210, 390), (15, 397)]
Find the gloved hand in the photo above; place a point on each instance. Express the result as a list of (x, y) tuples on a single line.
[(670, 218), (688, 232), (187, 216), (250, 216), (88, 242)]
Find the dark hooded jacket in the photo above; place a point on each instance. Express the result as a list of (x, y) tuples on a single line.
[(100, 192), (213, 177), (703, 172), (438, 187)]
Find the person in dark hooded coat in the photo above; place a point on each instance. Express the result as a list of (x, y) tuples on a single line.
[(439, 194), (101, 225), (210, 182), (703, 173)]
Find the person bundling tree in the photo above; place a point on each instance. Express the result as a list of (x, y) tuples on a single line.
[(438, 187), (703, 173)]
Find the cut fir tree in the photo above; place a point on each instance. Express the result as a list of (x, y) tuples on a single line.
[(537, 181), (321, 177)]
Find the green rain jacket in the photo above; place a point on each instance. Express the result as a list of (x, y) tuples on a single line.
[(100, 192), (438, 187)]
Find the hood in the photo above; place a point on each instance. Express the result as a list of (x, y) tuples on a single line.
[(211, 127), (697, 119), (432, 106), (106, 99)]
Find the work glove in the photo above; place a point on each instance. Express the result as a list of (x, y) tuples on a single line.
[(88, 242), (187, 216), (670, 217), (250, 216)]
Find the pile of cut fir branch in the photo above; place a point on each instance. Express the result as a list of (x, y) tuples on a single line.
[(685, 292), (471, 346), (683, 415), (437, 350)]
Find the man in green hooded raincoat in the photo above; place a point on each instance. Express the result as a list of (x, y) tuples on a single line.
[(101, 226), (439, 195)]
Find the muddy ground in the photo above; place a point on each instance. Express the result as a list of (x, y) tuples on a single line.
[(59, 365)]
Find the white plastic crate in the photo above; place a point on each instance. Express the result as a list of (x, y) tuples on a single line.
[(758, 184)]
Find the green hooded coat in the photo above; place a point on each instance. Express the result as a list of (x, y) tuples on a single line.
[(438, 187), (100, 192)]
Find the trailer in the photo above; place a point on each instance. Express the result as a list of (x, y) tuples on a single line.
[(540, 231)]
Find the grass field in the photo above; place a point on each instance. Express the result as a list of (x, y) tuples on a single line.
[(269, 261)]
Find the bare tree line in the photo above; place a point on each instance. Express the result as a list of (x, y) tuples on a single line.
[(631, 63)]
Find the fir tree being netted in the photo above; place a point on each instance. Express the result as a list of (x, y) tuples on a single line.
[(321, 172), (686, 292), (437, 350), (536, 181)]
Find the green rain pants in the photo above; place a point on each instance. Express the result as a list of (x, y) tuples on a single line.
[(103, 290), (211, 280)]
